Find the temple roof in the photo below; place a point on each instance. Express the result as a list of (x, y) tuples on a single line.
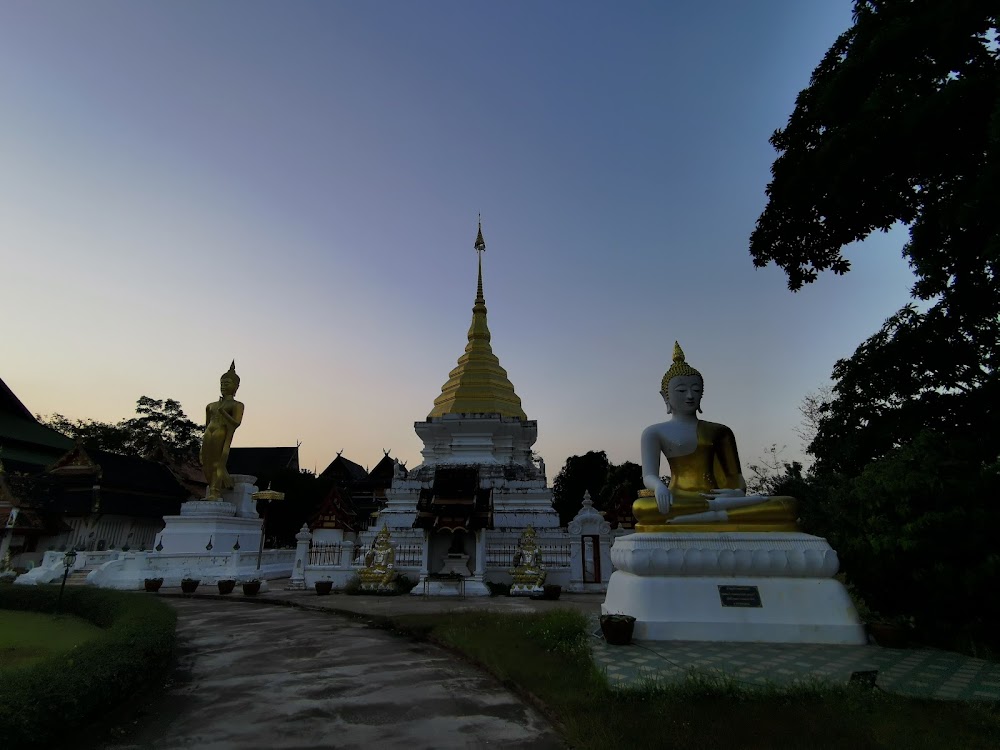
[(344, 470), (478, 385), (26, 444), (261, 462)]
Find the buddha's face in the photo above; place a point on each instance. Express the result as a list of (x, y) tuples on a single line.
[(228, 386), (683, 395)]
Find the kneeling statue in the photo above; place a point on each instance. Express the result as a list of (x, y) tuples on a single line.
[(707, 492)]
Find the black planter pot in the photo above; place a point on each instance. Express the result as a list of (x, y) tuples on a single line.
[(551, 591), (251, 588), (188, 585), (323, 587), (889, 635), (152, 584), (226, 586), (617, 629)]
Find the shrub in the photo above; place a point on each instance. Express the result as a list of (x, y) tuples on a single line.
[(498, 589), (404, 584), (80, 685)]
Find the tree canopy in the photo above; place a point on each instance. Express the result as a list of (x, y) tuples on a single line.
[(156, 421), (900, 124), (606, 482)]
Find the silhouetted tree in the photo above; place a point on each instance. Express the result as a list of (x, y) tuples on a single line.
[(156, 420), (900, 124)]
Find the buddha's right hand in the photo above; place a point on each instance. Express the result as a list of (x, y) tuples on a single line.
[(664, 499)]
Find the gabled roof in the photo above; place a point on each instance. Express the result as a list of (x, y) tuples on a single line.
[(334, 513), (11, 404), (346, 469), (27, 445), (455, 502), (111, 470), (383, 471), (260, 462)]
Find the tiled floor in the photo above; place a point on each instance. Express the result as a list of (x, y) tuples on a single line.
[(917, 672)]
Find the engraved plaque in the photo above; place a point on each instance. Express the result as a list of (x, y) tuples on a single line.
[(739, 596)]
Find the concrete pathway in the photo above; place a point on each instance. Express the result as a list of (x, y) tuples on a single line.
[(253, 676)]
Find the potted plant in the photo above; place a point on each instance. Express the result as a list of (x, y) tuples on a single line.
[(188, 585), (152, 584), (251, 588), (323, 587), (890, 632), (551, 591), (226, 585), (617, 628)]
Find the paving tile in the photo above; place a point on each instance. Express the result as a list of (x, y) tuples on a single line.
[(913, 672)]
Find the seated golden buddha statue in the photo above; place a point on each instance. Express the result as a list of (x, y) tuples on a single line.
[(707, 491), (527, 572), (380, 560)]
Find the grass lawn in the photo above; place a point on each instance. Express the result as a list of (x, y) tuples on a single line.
[(28, 637), (546, 657)]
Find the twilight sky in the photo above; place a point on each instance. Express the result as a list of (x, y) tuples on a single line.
[(295, 185)]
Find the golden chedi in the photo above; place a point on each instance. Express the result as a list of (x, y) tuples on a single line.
[(707, 492), (380, 571), (222, 417)]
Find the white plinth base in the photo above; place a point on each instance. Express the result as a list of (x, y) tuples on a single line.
[(470, 586), (223, 522), (456, 564), (192, 534), (521, 589), (690, 608)]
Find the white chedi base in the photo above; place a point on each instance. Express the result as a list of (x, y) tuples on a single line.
[(732, 586)]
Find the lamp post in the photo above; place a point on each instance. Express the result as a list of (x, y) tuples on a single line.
[(267, 495), (68, 560)]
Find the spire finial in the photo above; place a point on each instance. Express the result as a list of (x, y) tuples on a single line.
[(480, 242), (480, 247)]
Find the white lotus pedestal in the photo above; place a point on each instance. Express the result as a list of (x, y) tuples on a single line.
[(775, 587), (222, 522)]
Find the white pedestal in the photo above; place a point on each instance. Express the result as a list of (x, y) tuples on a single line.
[(456, 564), (222, 522), (524, 589), (770, 587), (466, 586)]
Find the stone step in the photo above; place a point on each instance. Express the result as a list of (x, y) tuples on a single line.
[(78, 577)]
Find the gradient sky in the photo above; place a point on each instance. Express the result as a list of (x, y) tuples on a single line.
[(295, 185)]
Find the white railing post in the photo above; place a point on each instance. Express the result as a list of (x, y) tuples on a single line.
[(480, 553), (302, 540)]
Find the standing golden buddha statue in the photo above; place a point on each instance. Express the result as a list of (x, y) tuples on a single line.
[(707, 491), (222, 417)]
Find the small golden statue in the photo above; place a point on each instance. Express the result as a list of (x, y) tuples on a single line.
[(707, 491), (527, 575), (222, 417), (379, 572)]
